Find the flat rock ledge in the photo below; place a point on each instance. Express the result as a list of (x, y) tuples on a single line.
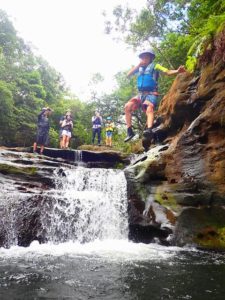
[(98, 158)]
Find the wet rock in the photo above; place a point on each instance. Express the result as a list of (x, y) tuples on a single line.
[(108, 158), (190, 170), (203, 227), (28, 223), (146, 234)]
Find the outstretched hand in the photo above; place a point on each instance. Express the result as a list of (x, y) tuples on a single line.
[(181, 69)]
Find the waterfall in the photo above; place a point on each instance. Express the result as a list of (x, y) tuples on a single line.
[(78, 155), (87, 204)]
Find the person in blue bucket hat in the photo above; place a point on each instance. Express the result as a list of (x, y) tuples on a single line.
[(147, 72)]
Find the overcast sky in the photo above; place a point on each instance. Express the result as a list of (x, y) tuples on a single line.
[(69, 34)]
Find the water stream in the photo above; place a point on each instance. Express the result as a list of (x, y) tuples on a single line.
[(88, 255), (87, 205)]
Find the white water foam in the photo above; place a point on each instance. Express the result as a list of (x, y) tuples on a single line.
[(87, 204), (109, 250), (86, 216)]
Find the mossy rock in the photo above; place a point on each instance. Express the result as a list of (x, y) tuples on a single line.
[(166, 199), (15, 170), (203, 227), (211, 238)]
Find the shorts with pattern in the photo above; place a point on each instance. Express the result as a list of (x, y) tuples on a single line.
[(141, 98)]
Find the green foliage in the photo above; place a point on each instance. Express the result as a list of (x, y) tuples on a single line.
[(191, 63), (6, 111), (53, 138), (179, 30), (27, 83)]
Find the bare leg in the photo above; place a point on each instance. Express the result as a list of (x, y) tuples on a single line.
[(130, 106), (110, 141), (63, 141), (42, 149), (67, 141), (35, 147), (128, 113), (150, 114)]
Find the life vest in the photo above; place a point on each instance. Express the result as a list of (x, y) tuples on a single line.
[(109, 126), (147, 78)]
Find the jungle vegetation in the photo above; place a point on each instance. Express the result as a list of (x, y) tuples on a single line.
[(189, 32)]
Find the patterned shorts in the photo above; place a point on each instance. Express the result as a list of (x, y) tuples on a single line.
[(141, 98)]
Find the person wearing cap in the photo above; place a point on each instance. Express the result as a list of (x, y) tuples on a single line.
[(96, 127), (43, 127), (109, 127), (68, 113), (147, 76)]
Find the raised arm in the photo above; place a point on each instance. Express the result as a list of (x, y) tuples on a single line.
[(135, 69), (63, 123), (181, 69)]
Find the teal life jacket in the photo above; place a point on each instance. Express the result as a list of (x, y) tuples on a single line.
[(148, 78)]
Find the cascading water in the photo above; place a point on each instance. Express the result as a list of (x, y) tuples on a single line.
[(87, 204), (78, 156), (87, 254)]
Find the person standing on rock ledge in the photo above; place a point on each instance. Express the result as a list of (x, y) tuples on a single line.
[(67, 127), (109, 127), (62, 142), (96, 127), (43, 127), (148, 73)]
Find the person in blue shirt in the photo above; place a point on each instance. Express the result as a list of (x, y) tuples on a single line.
[(96, 127), (147, 76)]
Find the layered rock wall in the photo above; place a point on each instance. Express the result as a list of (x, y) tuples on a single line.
[(189, 171)]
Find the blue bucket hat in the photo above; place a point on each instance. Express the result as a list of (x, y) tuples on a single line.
[(147, 51)]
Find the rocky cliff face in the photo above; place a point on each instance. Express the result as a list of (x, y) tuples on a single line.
[(188, 169)]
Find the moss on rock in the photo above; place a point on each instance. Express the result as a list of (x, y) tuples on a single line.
[(211, 238), (11, 169), (166, 198), (203, 227)]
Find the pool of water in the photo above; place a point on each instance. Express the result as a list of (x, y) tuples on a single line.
[(110, 269)]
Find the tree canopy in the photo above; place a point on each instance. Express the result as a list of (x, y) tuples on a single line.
[(187, 32)]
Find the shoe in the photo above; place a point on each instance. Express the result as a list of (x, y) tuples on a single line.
[(130, 134), (148, 134), (99, 145)]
